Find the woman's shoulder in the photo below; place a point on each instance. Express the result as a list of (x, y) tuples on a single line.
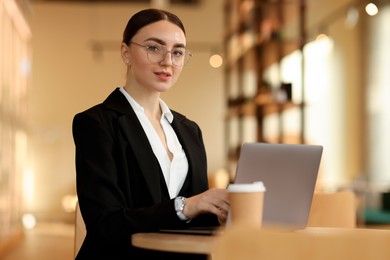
[(184, 120), (91, 116), (114, 103)]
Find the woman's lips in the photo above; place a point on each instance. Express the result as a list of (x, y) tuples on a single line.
[(163, 75)]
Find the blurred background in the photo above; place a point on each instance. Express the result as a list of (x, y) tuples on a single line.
[(296, 71)]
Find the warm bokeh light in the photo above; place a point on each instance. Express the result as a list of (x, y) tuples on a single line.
[(352, 17), (371, 9), (29, 221), (321, 36), (216, 61), (69, 203), (219, 179), (25, 66)]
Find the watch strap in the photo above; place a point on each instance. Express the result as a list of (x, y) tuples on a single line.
[(180, 202)]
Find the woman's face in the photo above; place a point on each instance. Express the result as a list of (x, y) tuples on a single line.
[(153, 75)]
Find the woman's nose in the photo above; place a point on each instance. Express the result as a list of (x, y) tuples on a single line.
[(167, 59)]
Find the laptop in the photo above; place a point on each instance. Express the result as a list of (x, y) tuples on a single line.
[(289, 173)]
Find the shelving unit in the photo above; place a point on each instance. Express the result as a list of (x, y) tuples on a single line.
[(258, 35)]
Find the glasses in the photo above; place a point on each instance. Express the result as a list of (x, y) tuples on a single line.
[(157, 53)]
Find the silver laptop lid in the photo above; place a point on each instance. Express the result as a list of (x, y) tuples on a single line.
[(289, 173)]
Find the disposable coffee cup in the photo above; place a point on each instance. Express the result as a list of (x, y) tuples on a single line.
[(246, 203)]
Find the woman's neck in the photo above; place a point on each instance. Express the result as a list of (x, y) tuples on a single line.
[(148, 100)]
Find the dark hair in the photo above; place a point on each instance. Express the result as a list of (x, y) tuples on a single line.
[(146, 17)]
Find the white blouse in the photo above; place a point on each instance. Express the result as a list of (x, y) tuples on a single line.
[(174, 171)]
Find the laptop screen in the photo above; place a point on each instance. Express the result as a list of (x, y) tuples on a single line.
[(289, 173)]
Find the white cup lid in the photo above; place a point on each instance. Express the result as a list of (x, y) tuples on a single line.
[(257, 186)]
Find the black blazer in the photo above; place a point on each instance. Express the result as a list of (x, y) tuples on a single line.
[(120, 185)]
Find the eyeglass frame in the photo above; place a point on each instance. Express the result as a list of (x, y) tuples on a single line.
[(148, 51)]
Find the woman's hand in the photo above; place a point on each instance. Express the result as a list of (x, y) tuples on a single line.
[(213, 201)]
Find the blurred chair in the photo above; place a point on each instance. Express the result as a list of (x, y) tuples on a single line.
[(336, 209), (80, 230), (250, 243)]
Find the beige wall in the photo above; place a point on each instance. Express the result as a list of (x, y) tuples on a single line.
[(69, 77)]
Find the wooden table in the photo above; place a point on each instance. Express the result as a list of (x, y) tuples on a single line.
[(204, 244), (178, 243)]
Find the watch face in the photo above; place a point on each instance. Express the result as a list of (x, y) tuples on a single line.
[(178, 204)]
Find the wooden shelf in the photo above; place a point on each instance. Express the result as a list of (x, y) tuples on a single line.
[(276, 108), (272, 50), (258, 35)]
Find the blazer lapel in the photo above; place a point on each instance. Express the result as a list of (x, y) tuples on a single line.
[(135, 135), (194, 152)]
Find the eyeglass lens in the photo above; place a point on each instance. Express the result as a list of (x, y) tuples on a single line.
[(179, 56)]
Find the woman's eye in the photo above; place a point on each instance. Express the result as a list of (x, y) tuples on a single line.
[(152, 48), (178, 53)]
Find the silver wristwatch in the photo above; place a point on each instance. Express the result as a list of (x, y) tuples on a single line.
[(180, 202)]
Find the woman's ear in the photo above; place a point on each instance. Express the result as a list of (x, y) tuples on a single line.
[(125, 53)]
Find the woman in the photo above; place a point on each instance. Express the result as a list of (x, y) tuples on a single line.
[(140, 166)]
